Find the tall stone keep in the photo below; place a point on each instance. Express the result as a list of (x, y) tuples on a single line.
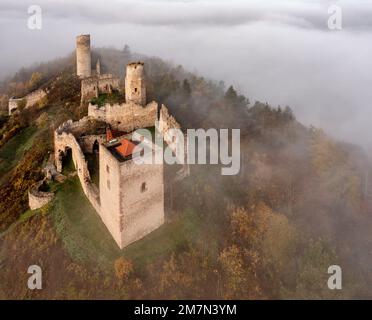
[(135, 88), (83, 57)]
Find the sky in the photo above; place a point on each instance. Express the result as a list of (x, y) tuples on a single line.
[(276, 51)]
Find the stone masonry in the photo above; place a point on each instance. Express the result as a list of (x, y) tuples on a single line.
[(31, 99), (83, 56), (130, 197)]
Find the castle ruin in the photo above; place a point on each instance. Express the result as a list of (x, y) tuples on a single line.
[(129, 197)]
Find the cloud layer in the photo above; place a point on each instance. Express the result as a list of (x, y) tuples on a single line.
[(308, 14), (272, 50)]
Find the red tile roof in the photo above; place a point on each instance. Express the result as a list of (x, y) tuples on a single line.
[(126, 147)]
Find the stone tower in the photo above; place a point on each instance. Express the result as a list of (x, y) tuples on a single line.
[(133, 211), (83, 57), (135, 88), (98, 67)]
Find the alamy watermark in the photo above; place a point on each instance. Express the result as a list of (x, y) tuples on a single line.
[(34, 21), (35, 280), (197, 146), (335, 280), (335, 18)]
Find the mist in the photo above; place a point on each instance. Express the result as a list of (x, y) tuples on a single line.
[(280, 52)]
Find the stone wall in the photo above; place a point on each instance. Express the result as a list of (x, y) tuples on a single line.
[(107, 83), (13, 105), (34, 97), (91, 87), (125, 117), (31, 99), (81, 127), (62, 142), (37, 198), (167, 122), (87, 142)]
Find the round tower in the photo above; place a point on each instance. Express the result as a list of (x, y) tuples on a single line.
[(135, 88), (83, 57)]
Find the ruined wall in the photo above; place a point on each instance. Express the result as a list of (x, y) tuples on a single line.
[(97, 112), (125, 117), (38, 199), (91, 87), (86, 142), (31, 99), (81, 127), (63, 141), (34, 97), (135, 88), (167, 122), (107, 83), (83, 56), (13, 105)]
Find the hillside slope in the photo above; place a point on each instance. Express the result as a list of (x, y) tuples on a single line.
[(299, 204)]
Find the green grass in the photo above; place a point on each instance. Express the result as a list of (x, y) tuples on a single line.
[(172, 236), (12, 152), (77, 224), (87, 240), (114, 97)]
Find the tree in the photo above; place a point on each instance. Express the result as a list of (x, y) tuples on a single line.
[(186, 88), (126, 50), (35, 80), (231, 95)]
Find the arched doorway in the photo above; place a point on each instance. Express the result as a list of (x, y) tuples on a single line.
[(67, 161)]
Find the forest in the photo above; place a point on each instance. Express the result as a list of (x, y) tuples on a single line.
[(300, 203)]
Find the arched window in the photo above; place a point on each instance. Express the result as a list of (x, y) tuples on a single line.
[(143, 187)]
